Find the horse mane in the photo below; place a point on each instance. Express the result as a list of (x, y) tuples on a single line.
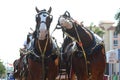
[(79, 23)]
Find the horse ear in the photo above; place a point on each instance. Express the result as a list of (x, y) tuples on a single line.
[(37, 10), (50, 9), (67, 14)]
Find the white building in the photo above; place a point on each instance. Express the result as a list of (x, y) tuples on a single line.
[(112, 47)]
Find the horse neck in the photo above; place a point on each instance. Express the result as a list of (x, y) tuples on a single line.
[(84, 35)]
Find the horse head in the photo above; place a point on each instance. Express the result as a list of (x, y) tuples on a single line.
[(65, 21), (43, 21), (75, 30)]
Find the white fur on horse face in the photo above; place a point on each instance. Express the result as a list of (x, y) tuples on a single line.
[(43, 31), (65, 23), (43, 17), (43, 27)]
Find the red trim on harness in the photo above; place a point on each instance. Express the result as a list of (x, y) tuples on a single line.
[(80, 43)]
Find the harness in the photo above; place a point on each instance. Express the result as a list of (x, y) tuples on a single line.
[(43, 56)]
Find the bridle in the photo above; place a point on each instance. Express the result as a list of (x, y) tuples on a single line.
[(41, 12), (43, 21)]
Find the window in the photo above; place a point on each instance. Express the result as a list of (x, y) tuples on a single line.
[(115, 42), (119, 54), (115, 35)]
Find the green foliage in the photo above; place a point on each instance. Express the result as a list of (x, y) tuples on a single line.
[(118, 28), (96, 30), (2, 69), (117, 17)]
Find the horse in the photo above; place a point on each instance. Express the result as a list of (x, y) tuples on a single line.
[(42, 59), (86, 55), (16, 70), (19, 65)]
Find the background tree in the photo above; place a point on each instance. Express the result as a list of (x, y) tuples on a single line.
[(117, 17), (2, 69), (96, 30)]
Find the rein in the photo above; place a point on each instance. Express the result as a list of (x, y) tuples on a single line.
[(81, 45), (43, 54)]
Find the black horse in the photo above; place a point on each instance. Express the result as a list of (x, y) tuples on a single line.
[(87, 55)]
